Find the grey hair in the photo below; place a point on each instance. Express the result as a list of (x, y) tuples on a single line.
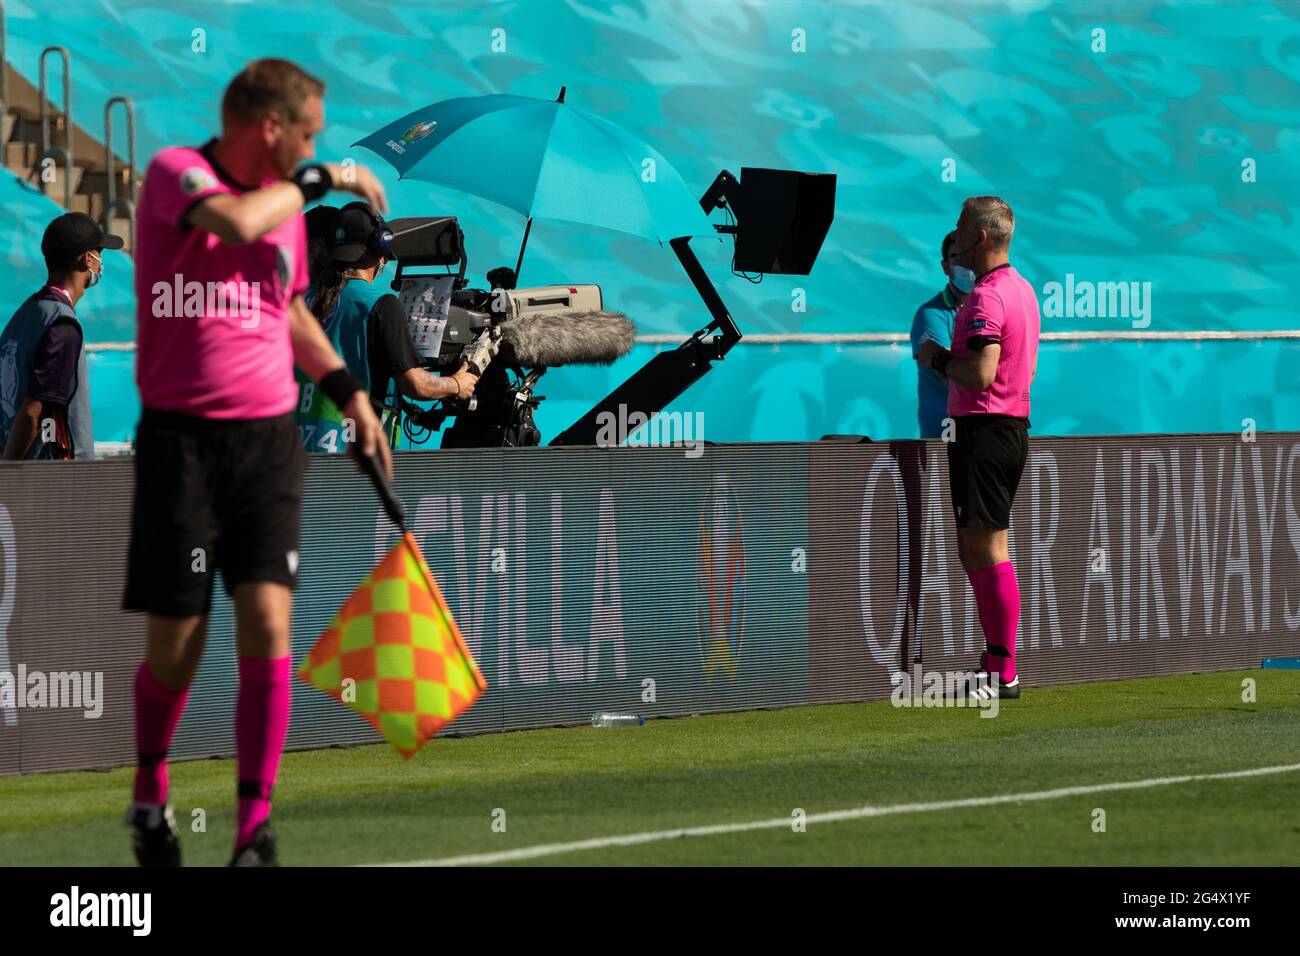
[(992, 215)]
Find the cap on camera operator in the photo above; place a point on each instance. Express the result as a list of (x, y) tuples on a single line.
[(368, 327)]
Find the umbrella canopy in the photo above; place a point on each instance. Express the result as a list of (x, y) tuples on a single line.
[(544, 159)]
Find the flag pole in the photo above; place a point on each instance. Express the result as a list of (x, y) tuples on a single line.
[(393, 505), (396, 511)]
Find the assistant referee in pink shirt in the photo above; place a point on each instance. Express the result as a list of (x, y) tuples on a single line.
[(989, 370), (221, 268)]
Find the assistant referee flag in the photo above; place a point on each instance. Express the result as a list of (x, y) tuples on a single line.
[(397, 643)]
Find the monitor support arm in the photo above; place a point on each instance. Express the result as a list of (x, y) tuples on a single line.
[(668, 374)]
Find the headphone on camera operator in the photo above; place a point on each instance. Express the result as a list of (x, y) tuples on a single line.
[(360, 240)]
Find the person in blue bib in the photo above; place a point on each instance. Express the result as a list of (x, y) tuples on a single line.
[(933, 320), (44, 387), (367, 325)]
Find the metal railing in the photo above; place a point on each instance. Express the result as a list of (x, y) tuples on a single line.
[(901, 338), (4, 62), (48, 150), (897, 338), (113, 204)]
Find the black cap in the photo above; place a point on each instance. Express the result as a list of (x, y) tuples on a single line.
[(354, 231), (71, 235), (320, 222)]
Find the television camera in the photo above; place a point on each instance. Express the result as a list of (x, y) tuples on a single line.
[(778, 219)]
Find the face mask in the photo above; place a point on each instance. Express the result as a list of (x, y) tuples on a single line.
[(963, 279), (96, 276)]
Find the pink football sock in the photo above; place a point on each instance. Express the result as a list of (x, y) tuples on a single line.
[(997, 596), (158, 711), (261, 723)]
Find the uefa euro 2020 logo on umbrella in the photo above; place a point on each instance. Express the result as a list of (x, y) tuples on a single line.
[(413, 135), (720, 582), (419, 131)]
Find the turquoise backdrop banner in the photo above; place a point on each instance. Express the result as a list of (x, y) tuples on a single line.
[(1149, 151)]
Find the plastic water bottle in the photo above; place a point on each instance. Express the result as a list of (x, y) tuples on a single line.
[(606, 719)]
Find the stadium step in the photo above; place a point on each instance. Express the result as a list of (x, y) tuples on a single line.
[(19, 157), (94, 188), (21, 137), (54, 178)]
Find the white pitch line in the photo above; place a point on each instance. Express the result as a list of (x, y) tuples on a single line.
[(833, 816)]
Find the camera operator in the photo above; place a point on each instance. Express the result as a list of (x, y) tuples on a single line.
[(368, 327)]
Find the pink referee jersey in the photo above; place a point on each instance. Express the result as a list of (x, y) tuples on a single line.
[(212, 320), (1002, 308)]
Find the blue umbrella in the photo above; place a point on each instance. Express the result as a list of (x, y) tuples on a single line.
[(544, 159)]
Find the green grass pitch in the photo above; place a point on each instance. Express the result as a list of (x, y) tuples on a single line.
[(366, 805)]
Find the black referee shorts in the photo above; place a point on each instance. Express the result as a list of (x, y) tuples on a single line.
[(985, 462), (211, 494)]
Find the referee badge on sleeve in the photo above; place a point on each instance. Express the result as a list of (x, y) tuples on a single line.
[(196, 179)]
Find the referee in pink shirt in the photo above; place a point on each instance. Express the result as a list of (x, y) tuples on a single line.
[(221, 268), (989, 370)]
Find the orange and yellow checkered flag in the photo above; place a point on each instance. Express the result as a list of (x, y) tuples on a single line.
[(396, 641)]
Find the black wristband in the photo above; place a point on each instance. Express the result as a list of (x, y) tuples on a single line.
[(314, 181), (939, 361), (339, 386)]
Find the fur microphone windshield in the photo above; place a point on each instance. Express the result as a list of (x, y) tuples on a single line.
[(567, 338)]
